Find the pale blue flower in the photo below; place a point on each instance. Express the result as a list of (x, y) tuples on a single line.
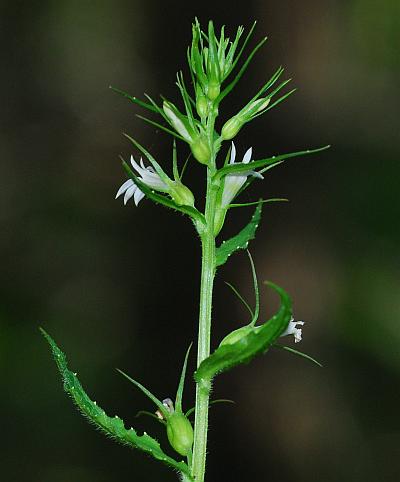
[(233, 182), (146, 175)]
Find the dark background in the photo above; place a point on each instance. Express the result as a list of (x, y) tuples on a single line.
[(118, 286)]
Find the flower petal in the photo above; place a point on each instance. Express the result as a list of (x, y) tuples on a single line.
[(124, 187), (136, 166), (247, 156), (129, 193), (138, 196), (233, 153), (293, 330)]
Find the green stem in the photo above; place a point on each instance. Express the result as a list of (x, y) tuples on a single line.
[(203, 350)]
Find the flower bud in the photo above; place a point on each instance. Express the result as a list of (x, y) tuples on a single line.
[(182, 195), (177, 120), (263, 104), (202, 106), (180, 433), (255, 107), (201, 149), (236, 335), (231, 128), (213, 89)]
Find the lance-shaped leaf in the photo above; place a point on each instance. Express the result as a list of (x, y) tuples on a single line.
[(111, 426), (255, 340), (241, 240), (269, 161)]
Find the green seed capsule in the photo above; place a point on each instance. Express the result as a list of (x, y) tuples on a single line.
[(213, 90), (180, 433), (231, 128), (182, 195), (202, 106), (219, 219), (201, 150)]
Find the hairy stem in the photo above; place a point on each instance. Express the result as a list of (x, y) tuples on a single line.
[(203, 349)]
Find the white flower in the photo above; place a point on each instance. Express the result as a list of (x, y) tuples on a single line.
[(293, 330), (146, 175), (234, 181)]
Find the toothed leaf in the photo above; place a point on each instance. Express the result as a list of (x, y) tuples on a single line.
[(111, 426), (255, 340), (241, 240)]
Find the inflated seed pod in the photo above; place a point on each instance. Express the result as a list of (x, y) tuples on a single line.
[(180, 433), (201, 149)]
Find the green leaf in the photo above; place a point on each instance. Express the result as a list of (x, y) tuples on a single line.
[(250, 179), (251, 166), (263, 201), (241, 240), (257, 340), (111, 426)]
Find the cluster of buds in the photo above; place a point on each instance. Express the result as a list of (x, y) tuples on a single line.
[(212, 59), (211, 63)]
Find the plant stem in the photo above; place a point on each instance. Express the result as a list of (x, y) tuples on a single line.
[(203, 348)]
